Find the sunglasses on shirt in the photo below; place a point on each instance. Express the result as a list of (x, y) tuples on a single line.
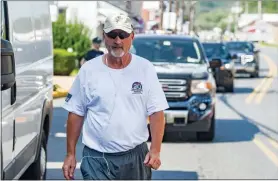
[(122, 35)]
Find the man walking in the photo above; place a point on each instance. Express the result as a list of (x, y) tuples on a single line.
[(94, 52), (115, 94)]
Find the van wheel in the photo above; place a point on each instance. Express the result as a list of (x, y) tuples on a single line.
[(207, 136), (37, 171)]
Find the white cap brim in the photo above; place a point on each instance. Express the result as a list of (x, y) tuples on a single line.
[(107, 30)]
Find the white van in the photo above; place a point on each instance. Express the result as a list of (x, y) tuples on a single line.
[(26, 88)]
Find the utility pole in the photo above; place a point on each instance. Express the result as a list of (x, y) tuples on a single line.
[(246, 7), (170, 5), (260, 9), (177, 6), (191, 16), (182, 14), (161, 14)]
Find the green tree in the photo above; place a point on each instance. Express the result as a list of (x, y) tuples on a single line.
[(212, 19), (268, 6), (73, 34)]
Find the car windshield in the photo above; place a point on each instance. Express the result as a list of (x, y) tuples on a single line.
[(215, 50), (240, 46), (168, 50)]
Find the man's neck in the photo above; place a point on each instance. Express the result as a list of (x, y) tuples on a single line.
[(117, 63)]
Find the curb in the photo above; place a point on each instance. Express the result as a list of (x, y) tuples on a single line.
[(59, 94)]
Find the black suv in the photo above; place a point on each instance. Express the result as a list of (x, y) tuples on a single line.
[(246, 56), (189, 86), (225, 74)]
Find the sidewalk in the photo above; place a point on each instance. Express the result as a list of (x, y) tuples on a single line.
[(64, 81)]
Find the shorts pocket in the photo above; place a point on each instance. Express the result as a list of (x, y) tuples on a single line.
[(85, 170), (128, 172)]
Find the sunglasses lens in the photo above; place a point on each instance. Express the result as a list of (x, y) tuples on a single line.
[(112, 35), (122, 35)]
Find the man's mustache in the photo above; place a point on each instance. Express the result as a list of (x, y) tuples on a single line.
[(117, 47)]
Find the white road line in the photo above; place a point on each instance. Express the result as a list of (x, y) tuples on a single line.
[(58, 165), (60, 135)]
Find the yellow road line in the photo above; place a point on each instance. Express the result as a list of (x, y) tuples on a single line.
[(260, 86), (256, 90), (273, 143), (269, 81), (272, 156)]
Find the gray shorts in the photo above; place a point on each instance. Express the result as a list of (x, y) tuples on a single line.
[(127, 165)]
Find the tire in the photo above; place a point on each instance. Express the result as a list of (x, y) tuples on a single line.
[(207, 136), (230, 87), (37, 171), (255, 74)]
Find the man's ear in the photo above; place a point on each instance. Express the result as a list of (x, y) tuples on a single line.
[(132, 35)]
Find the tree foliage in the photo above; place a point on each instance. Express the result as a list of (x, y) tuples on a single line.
[(72, 34), (268, 6), (212, 19)]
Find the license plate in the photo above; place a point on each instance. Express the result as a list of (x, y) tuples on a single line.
[(177, 118), (180, 121)]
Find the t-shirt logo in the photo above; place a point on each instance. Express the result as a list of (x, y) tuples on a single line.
[(68, 97), (137, 88)]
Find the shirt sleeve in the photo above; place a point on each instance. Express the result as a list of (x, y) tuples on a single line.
[(156, 100), (75, 101)]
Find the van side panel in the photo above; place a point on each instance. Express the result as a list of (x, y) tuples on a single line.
[(31, 37), (7, 114)]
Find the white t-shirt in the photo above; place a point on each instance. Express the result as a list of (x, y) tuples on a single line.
[(115, 103)]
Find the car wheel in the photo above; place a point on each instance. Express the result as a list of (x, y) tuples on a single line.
[(229, 87), (37, 171), (209, 135), (255, 75)]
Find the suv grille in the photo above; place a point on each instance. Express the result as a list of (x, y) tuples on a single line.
[(174, 89)]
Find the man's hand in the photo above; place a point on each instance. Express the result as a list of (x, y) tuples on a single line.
[(74, 125), (152, 160), (69, 167), (157, 124)]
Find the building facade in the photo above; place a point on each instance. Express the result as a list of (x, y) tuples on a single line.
[(94, 13)]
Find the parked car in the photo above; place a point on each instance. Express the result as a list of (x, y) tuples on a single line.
[(26, 89), (190, 89), (224, 75), (246, 55)]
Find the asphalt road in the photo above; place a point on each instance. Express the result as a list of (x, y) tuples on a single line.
[(246, 142)]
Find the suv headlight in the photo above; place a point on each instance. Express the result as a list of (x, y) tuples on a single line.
[(200, 86), (228, 65)]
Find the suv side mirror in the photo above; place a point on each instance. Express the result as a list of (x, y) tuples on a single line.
[(7, 65), (215, 63), (256, 50), (234, 56)]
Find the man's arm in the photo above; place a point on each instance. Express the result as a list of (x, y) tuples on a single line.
[(157, 125), (75, 104), (74, 126)]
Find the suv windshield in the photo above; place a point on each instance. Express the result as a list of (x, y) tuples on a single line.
[(168, 50), (240, 46), (215, 50)]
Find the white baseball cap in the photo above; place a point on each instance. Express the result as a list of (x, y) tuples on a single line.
[(118, 21)]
